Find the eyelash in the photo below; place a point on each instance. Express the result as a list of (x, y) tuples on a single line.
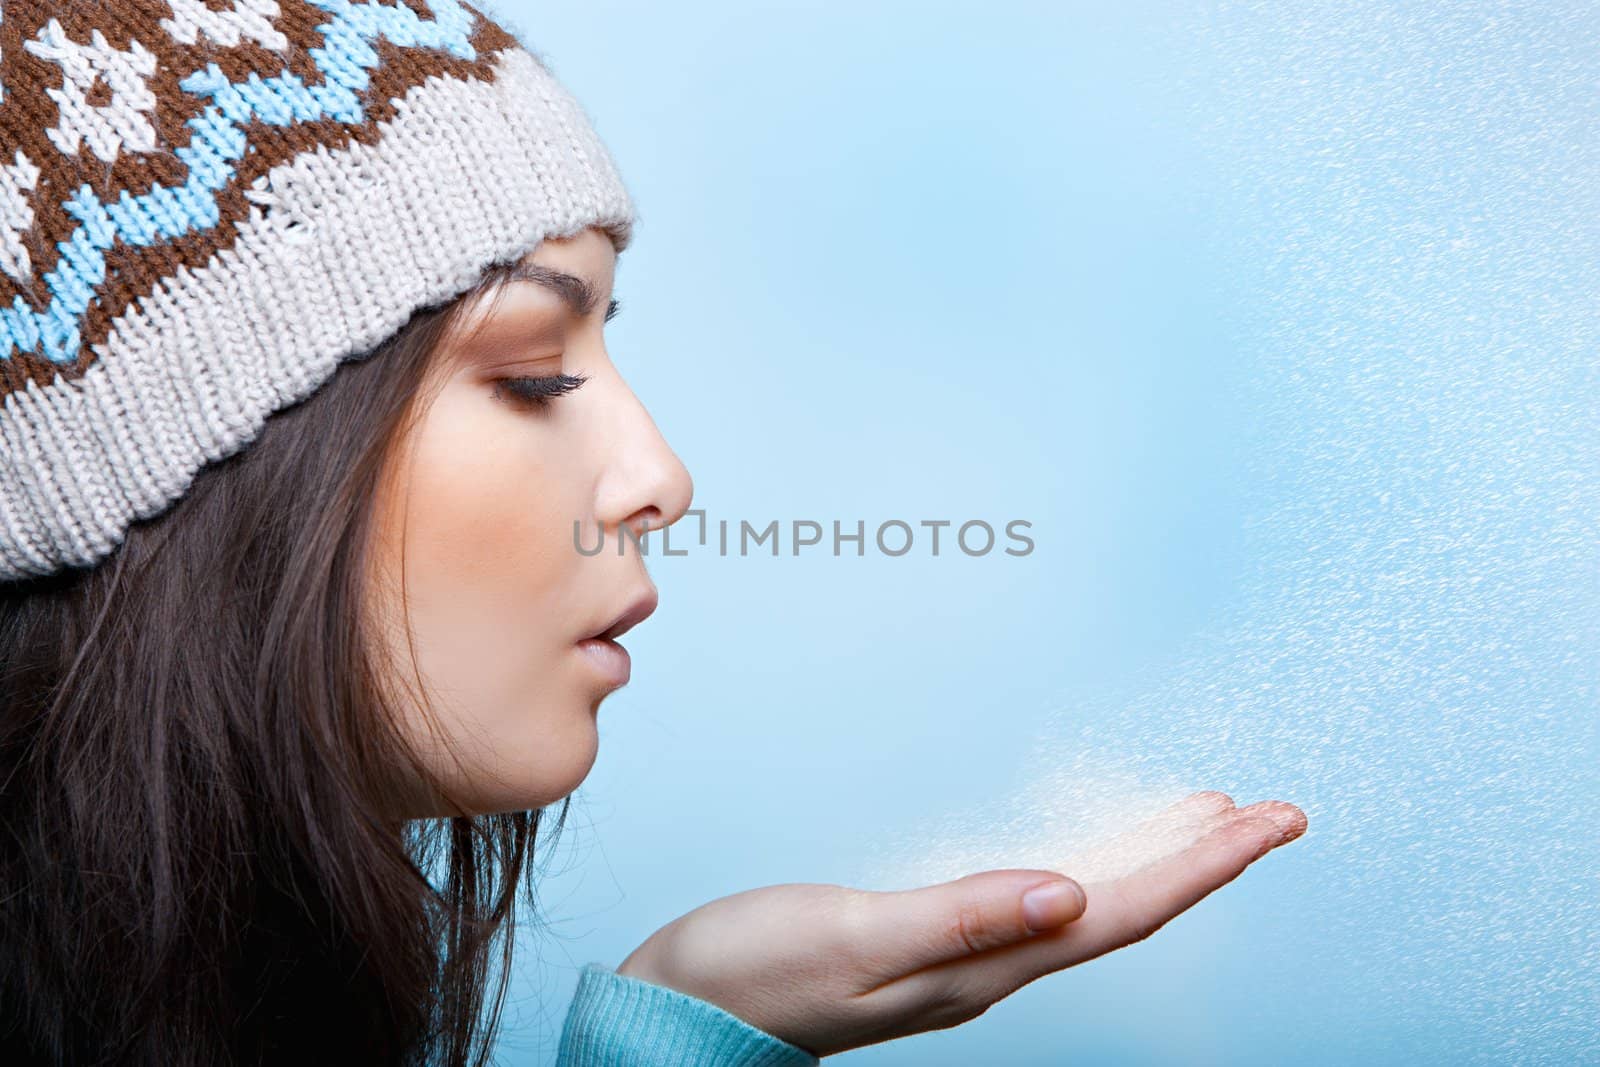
[(540, 391)]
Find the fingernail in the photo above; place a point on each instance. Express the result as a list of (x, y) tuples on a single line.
[(1289, 826), (1286, 832), (1046, 906)]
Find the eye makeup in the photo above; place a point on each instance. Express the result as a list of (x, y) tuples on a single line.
[(540, 391)]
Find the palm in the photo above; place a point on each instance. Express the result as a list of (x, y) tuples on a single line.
[(831, 968)]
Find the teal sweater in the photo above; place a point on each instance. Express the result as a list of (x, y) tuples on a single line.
[(618, 1021)]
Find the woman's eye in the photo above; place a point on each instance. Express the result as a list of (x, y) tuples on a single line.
[(540, 391)]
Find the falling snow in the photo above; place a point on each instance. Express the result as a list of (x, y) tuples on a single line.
[(1415, 656)]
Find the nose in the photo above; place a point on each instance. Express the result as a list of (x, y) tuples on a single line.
[(643, 484)]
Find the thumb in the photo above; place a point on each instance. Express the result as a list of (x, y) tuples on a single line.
[(974, 914)]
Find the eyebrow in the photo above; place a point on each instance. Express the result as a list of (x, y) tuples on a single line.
[(574, 291)]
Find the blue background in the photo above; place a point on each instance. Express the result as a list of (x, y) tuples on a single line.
[(1278, 326)]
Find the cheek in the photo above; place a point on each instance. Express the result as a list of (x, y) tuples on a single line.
[(493, 585), (485, 513)]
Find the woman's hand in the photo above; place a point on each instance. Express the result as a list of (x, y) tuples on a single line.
[(829, 968)]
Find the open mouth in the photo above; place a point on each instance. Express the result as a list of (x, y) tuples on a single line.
[(602, 650), (636, 612)]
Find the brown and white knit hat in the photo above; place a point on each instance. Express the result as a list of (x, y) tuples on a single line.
[(206, 205)]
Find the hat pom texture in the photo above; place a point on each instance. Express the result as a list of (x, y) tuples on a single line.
[(207, 205)]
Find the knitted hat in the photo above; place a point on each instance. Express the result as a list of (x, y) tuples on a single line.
[(206, 205)]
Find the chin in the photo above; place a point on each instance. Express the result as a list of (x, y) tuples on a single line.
[(550, 782), (532, 766)]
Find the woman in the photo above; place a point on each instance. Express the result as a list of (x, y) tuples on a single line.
[(305, 387)]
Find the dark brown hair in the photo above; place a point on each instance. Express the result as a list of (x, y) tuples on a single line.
[(199, 769)]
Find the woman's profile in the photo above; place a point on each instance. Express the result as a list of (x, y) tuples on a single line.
[(305, 385)]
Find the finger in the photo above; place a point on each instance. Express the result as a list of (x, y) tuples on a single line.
[(1118, 913), (918, 928), (915, 928), (1182, 821), (1132, 908), (1168, 831)]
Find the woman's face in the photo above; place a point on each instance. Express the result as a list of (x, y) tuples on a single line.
[(475, 523)]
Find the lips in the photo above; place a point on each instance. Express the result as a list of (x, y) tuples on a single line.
[(639, 609)]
